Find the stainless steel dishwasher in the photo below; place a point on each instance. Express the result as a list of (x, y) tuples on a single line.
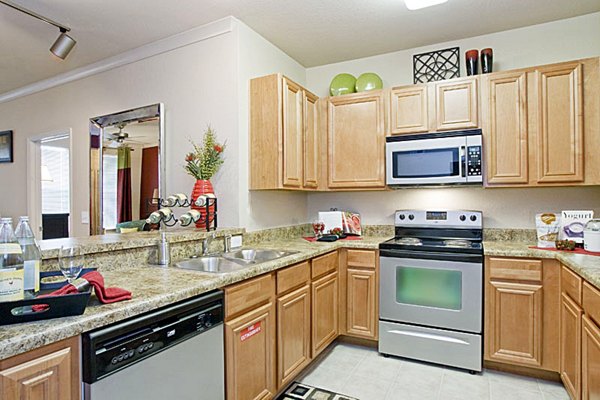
[(175, 352)]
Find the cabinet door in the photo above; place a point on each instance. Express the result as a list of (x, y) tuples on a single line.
[(324, 312), (293, 134), (515, 322), (250, 355), (408, 110), (356, 141), (560, 137), (293, 334), (361, 312), (504, 115), (590, 360), (51, 376), (311, 141), (456, 104), (570, 346)]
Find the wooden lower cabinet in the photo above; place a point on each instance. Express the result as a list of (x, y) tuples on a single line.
[(47, 373), (293, 334), (515, 324), (590, 360), (250, 354), (325, 317), (570, 367), (522, 301), (361, 314)]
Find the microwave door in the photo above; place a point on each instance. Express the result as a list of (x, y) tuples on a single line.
[(426, 162)]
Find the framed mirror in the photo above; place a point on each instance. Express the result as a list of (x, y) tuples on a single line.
[(127, 168)]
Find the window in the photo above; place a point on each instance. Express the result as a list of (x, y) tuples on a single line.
[(109, 191), (55, 180)]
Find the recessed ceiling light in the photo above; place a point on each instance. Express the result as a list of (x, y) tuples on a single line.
[(418, 4)]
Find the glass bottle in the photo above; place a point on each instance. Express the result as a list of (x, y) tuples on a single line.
[(11, 264), (189, 217), (32, 256)]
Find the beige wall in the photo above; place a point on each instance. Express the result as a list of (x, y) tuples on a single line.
[(197, 85), (546, 43)]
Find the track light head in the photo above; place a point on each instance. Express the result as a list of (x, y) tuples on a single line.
[(63, 45)]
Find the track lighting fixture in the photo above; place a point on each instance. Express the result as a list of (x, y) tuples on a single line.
[(63, 44)]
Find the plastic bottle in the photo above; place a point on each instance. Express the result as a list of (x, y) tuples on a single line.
[(32, 256), (11, 264)]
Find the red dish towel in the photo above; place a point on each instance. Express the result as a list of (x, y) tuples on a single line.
[(96, 280)]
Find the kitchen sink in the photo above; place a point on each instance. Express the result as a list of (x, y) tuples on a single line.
[(214, 264), (230, 262), (256, 256)]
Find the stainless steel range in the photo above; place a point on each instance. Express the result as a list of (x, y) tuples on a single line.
[(431, 290)]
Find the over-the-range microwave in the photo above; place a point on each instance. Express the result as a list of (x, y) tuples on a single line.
[(448, 158)]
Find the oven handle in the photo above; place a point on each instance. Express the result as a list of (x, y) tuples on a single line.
[(430, 336), (425, 255), (463, 161)]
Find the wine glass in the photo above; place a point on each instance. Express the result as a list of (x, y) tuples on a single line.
[(70, 261)]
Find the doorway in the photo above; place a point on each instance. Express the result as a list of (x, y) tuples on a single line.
[(50, 193)]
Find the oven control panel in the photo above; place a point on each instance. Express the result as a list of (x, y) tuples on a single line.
[(442, 218)]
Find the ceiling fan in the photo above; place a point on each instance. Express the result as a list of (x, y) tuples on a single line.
[(119, 138)]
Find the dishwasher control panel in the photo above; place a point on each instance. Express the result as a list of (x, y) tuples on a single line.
[(113, 348)]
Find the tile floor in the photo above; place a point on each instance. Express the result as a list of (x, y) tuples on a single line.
[(361, 372)]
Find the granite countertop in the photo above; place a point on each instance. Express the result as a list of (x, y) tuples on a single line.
[(154, 287)]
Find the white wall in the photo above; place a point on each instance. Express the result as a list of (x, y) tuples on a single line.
[(197, 85), (258, 57), (566, 39), (541, 44)]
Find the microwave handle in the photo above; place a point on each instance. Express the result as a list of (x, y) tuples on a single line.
[(463, 162)]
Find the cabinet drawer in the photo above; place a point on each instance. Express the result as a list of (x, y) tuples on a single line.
[(591, 302), (516, 269), (571, 284), (292, 277), (248, 294), (361, 258), (324, 264)]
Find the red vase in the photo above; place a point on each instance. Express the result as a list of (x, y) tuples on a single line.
[(203, 186)]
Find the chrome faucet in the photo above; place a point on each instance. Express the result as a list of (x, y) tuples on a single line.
[(206, 243)]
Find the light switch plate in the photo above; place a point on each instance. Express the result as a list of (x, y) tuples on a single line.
[(85, 217), (236, 241)]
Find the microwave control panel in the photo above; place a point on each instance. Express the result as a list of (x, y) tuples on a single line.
[(474, 160)]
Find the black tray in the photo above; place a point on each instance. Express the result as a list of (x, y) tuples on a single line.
[(14, 312)]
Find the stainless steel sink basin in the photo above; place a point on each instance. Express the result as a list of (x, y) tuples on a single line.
[(214, 264), (256, 256)]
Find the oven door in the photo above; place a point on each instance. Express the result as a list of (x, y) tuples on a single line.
[(435, 293), (426, 161)]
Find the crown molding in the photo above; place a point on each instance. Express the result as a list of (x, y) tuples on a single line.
[(170, 43)]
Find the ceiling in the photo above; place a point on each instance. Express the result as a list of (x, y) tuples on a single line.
[(141, 134), (343, 30)]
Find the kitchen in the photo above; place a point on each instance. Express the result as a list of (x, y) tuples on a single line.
[(215, 91)]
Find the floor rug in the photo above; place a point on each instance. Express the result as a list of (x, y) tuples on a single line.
[(300, 391)]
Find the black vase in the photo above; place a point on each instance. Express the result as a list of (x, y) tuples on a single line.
[(487, 61), (471, 58)]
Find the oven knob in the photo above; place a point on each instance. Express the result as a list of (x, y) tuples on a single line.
[(473, 218), (411, 217), (462, 218), (402, 216)]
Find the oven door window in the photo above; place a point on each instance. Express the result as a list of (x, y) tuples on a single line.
[(439, 288), (426, 163)]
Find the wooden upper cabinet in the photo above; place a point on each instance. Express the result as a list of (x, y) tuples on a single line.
[(293, 133), (456, 104), (560, 138), (311, 141), (47, 373), (408, 109), (283, 135), (504, 115), (356, 141)]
